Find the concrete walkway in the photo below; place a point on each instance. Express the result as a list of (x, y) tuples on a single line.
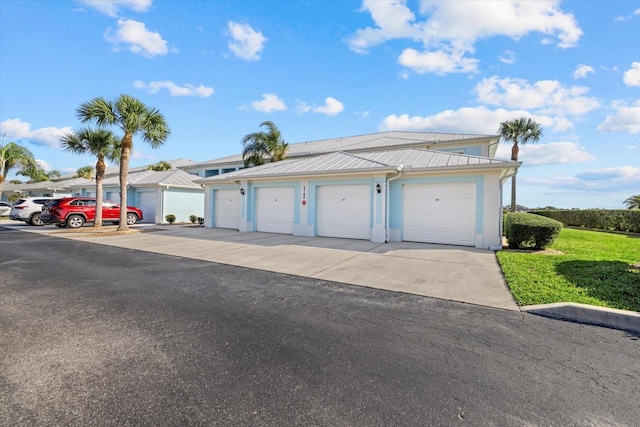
[(449, 272)]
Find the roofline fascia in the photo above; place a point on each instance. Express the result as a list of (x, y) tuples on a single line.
[(391, 169)]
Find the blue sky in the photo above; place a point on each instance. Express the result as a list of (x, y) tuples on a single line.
[(324, 69)]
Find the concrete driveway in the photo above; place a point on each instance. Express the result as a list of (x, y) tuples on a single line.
[(441, 271)]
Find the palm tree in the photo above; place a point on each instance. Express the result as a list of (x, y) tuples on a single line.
[(519, 131), (101, 143), (86, 172), (37, 174), (12, 156), (160, 166), (633, 202), (133, 117), (259, 145)]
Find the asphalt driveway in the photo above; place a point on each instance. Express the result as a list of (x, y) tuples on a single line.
[(94, 335)]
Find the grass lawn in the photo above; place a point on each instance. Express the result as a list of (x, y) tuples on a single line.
[(588, 267)]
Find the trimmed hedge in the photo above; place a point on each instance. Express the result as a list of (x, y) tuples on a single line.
[(601, 219), (525, 230)]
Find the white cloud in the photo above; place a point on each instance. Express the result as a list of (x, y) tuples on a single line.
[(44, 165), (508, 57), (632, 75), (546, 96), (269, 103), (469, 120), (582, 71), (111, 7), (439, 62), (553, 153), (246, 42), (620, 178), (625, 119), (16, 130), (139, 39), (451, 29), (331, 107), (636, 12), (174, 89)]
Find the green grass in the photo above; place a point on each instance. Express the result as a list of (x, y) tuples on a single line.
[(595, 268)]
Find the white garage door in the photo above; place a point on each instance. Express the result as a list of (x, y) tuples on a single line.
[(227, 209), (274, 210), (147, 202), (439, 213), (344, 211)]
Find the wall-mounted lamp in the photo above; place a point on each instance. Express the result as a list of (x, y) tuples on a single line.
[(378, 189), (242, 191)]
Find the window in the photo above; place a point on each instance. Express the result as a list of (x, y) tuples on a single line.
[(211, 172), (228, 170)]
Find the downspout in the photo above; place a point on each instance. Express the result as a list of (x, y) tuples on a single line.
[(386, 201)]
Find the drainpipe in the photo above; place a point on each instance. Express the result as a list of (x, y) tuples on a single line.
[(399, 169)]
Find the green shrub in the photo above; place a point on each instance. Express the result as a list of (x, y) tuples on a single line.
[(170, 218), (193, 218), (601, 219), (524, 230)]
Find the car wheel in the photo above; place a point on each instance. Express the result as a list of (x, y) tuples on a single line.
[(36, 220), (132, 218), (75, 221)]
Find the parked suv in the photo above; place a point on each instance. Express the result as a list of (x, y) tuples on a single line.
[(73, 212), (28, 209)]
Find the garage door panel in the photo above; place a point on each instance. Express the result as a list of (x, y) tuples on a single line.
[(147, 202), (275, 209), (344, 211), (439, 213), (227, 209)]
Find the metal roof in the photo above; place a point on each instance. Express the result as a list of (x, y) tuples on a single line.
[(411, 159), (366, 142), (173, 178), (115, 170), (49, 185)]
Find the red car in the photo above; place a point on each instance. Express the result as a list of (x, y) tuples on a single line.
[(73, 212)]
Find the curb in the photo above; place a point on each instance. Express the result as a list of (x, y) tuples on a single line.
[(588, 314)]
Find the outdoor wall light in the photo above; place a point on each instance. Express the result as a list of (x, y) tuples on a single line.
[(242, 191), (378, 190)]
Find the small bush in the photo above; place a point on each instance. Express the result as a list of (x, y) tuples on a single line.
[(193, 218), (170, 218), (525, 230)]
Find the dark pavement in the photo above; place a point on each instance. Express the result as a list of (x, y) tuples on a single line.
[(99, 335)]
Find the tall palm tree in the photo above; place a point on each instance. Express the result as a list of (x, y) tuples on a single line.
[(13, 156), (133, 117), (35, 173), (101, 143), (260, 145), (633, 202), (519, 131), (86, 172)]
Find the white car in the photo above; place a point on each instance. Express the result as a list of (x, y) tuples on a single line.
[(5, 208), (28, 209)]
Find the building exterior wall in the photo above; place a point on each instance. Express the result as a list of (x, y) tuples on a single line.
[(182, 203)]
